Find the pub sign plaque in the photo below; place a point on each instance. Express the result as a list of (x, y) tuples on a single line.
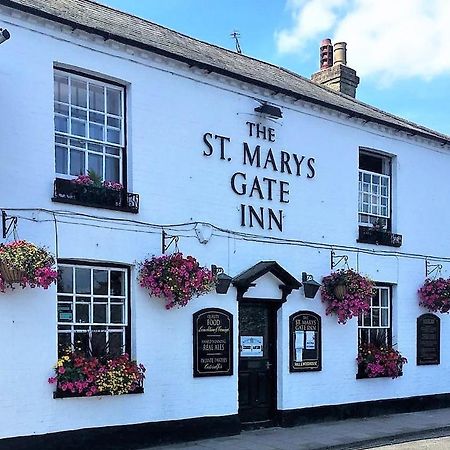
[(305, 342), (428, 340), (213, 342)]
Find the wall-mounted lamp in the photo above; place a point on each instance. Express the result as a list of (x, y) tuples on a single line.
[(4, 35), (223, 280), (269, 110), (310, 286)]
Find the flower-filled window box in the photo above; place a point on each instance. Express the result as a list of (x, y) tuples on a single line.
[(88, 191), (26, 264), (77, 375), (347, 294), (175, 278), (379, 361), (435, 295), (379, 236)]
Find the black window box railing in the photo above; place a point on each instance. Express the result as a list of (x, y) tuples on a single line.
[(371, 235), (59, 393), (362, 375), (66, 191)]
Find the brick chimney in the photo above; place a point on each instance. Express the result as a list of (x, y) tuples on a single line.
[(334, 72)]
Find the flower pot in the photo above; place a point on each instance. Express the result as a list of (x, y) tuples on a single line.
[(340, 290), (11, 275)]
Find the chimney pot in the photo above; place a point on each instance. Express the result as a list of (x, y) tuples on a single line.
[(340, 53), (326, 54)]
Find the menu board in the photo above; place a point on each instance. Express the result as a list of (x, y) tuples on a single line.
[(213, 342), (428, 340), (305, 342)]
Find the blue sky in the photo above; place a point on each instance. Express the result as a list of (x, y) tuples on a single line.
[(398, 48)]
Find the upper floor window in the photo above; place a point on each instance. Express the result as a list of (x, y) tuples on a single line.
[(89, 127), (374, 206)]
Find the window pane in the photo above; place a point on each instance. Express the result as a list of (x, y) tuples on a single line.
[(384, 317), (376, 300), (99, 345), (64, 343), (61, 124), (101, 282), (117, 283), (116, 346), (79, 93), (96, 132), (82, 312), (76, 162), (375, 317), (367, 320), (96, 164), (81, 342), (113, 122), (78, 113), (65, 312), (113, 101), (100, 313), (384, 297), (96, 97), (113, 151), (65, 279), (83, 281), (113, 136), (78, 127), (61, 159), (112, 169), (61, 86), (116, 314)]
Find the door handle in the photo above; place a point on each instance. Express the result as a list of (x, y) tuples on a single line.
[(268, 365)]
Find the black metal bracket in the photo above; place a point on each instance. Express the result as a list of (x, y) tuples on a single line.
[(8, 223), (430, 268), (337, 259), (167, 240)]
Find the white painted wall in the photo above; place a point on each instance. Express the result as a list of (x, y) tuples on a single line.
[(169, 110)]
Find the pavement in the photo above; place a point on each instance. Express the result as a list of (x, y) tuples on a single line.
[(372, 432)]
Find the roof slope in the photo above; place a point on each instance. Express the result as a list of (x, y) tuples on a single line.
[(128, 29)]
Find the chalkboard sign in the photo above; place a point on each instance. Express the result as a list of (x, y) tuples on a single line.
[(428, 340), (305, 342), (213, 343)]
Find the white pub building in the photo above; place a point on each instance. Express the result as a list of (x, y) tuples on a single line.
[(269, 177)]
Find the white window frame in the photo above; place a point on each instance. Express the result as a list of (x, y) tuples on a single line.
[(75, 139), (374, 192), (370, 314), (69, 327)]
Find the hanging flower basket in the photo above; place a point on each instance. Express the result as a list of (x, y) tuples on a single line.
[(11, 275), (435, 295), (24, 263), (378, 361), (175, 278), (346, 294)]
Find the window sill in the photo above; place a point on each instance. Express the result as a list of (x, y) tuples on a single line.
[(367, 235), (67, 192), (59, 394)]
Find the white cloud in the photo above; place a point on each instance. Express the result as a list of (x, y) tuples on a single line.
[(388, 40)]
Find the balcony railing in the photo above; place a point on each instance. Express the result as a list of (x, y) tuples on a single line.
[(65, 191), (371, 235)]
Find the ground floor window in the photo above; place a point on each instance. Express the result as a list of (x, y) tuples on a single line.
[(375, 326), (93, 307)]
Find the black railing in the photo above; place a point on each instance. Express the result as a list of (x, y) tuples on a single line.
[(372, 235), (66, 191)]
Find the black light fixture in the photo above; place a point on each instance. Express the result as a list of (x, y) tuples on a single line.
[(310, 286), (223, 283), (269, 110), (4, 35), (223, 280)]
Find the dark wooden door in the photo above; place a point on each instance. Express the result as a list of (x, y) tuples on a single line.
[(257, 358)]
